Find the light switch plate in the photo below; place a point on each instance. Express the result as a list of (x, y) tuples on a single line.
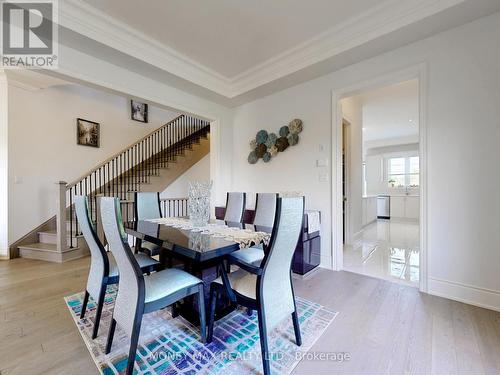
[(323, 177), (322, 163)]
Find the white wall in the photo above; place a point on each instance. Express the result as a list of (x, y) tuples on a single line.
[(4, 166), (352, 110), (81, 66), (198, 172), (43, 149), (463, 112)]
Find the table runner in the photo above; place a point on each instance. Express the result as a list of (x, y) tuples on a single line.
[(244, 237)]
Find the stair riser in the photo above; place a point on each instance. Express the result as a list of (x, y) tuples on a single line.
[(55, 257), (52, 238)]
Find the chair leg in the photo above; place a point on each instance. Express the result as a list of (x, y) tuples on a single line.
[(175, 311), (111, 333), (100, 305), (211, 317), (133, 349), (296, 328), (263, 342), (201, 308), (84, 305)]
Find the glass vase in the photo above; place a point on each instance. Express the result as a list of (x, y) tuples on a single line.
[(199, 203)]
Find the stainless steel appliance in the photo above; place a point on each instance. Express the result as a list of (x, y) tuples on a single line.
[(383, 207)]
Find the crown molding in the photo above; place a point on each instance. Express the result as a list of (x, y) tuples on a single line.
[(30, 80), (88, 21), (386, 17)]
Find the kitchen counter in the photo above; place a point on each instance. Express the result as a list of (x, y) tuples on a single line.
[(404, 195)]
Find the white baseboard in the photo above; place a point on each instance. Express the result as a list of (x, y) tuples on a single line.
[(4, 254), (472, 295)]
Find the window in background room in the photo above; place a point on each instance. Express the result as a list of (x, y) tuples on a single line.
[(403, 172)]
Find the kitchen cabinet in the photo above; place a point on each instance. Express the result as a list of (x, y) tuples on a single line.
[(369, 210), (407, 207), (412, 207), (397, 206)]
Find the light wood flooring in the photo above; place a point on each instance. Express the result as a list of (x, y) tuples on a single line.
[(386, 328)]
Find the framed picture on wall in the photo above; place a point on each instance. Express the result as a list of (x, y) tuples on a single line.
[(139, 111), (87, 133)]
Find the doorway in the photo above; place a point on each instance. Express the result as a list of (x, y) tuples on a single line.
[(391, 248), (345, 180)]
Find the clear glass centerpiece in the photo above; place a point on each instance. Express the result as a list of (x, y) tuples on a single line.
[(199, 203)]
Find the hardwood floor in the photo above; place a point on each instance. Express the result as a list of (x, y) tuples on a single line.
[(386, 328)]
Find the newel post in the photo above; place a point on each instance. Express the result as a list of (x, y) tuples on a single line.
[(61, 204)]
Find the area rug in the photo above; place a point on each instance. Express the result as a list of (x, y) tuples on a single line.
[(170, 346)]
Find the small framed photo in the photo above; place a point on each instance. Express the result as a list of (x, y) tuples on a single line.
[(87, 133), (139, 111)]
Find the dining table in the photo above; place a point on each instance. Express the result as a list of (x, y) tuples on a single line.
[(200, 251)]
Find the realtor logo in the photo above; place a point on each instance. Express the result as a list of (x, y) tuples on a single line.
[(29, 34)]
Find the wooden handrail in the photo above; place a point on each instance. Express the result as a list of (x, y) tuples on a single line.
[(70, 185), (127, 170)]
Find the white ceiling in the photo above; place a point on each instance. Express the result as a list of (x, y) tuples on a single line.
[(235, 51), (232, 36), (390, 112)]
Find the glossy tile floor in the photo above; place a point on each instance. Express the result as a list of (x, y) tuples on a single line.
[(387, 249)]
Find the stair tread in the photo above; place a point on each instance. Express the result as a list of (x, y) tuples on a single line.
[(46, 247), (54, 232), (48, 232), (40, 246)]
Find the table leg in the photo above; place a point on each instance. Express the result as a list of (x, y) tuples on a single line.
[(188, 307)]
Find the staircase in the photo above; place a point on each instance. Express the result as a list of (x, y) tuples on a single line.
[(150, 164)]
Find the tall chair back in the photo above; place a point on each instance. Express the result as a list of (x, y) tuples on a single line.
[(147, 206), (99, 262), (131, 288), (274, 288), (265, 209), (235, 206)]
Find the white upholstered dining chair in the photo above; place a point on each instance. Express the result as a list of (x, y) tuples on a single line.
[(235, 207), (138, 294), (267, 288), (147, 207), (265, 212), (103, 269)]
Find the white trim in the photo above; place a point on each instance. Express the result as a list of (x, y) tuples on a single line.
[(384, 18), (92, 23), (132, 91), (337, 256), (347, 184), (4, 165), (472, 295), (419, 72), (215, 144)]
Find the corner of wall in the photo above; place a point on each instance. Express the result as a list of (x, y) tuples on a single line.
[(4, 166)]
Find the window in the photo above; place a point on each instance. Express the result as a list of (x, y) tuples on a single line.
[(403, 172)]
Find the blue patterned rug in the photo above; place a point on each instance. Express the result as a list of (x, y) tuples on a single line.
[(170, 346)]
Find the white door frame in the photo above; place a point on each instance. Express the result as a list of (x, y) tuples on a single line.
[(414, 72), (347, 183)]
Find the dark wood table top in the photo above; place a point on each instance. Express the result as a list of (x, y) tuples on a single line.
[(197, 246)]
